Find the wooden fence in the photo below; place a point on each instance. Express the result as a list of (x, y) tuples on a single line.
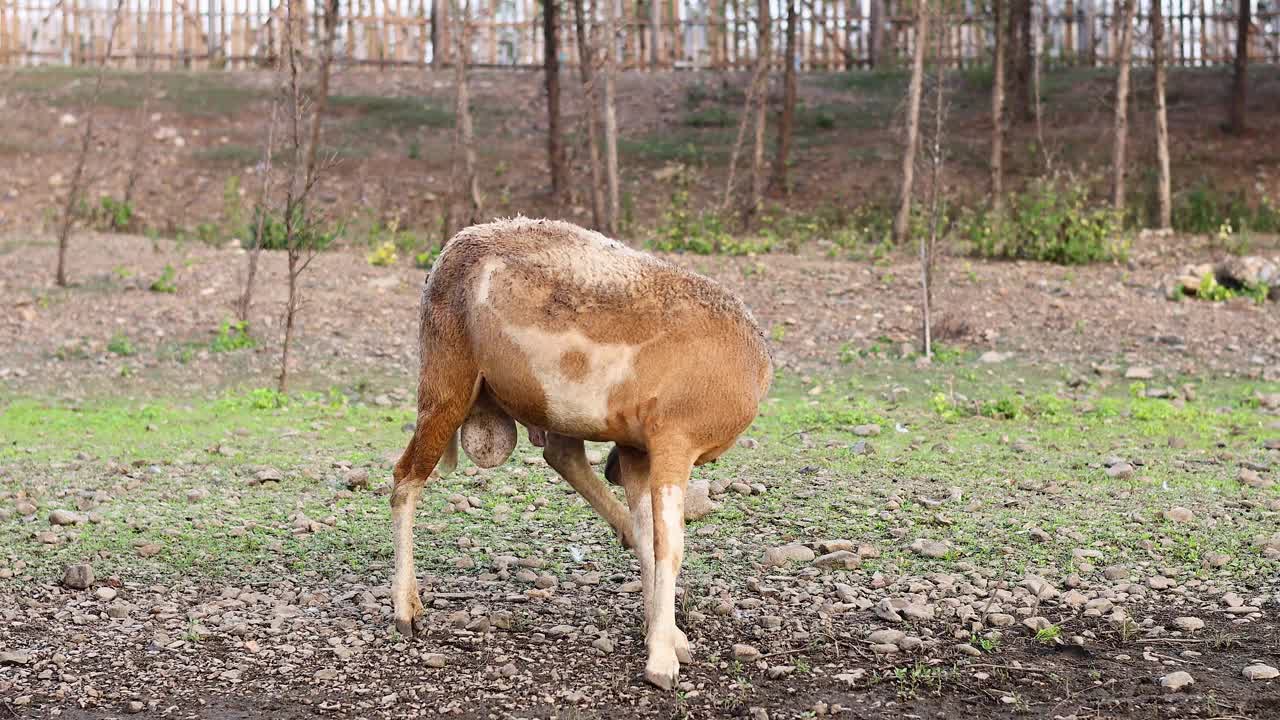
[(717, 34)]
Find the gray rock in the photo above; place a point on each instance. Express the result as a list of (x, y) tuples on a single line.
[(745, 653), (839, 560), (1188, 624), (1175, 681), (868, 430), (65, 517), (1260, 672), (697, 501), (15, 657), (784, 554), (928, 548), (78, 577), (434, 660)]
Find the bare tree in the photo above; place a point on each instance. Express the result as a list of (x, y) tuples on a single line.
[(929, 244), (764, 31), (786, 118), (1121, 128), (875, 42), (137, 158), (302, 239), (755, 87), (997, 106), (1239, 77), (1165, 212), (76, 189), (464, 179), (901, 223), (439, 33), (586, 65), (261, 212), (1037, 107), (610, 114), (551, 69)]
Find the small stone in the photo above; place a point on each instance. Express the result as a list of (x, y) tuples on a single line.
[(1175, 681), (887, 636), (929, 548), (149, 550), (969, 650), (1260, 672), (64, 517), (604, 645), (868, 430), (1000, 620), (1160, 582), (195, 495), (1251, 478), (15, 657), (357, 479), (105, 594), (784, 554), (1179, 515), (78, 577), (745, 653), (839, 560), (1188, 624), (697, 501), (269, 474), (434, 660), (1137, 372), (1120, 471), (1116, 572), (133, 707), (1215, 559), (780, 671)]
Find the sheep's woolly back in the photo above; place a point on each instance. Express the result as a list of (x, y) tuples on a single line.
[(557, 269)]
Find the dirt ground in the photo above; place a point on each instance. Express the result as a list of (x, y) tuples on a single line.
[(814, 308), (390, 134)]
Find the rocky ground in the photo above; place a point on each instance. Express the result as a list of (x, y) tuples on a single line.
[(1072, 514)]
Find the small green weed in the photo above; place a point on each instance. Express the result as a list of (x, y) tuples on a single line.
[(232, 335), (383, 255), (120, 344), (165, 283)]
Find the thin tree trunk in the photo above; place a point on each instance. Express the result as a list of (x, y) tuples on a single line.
[(1036, 106), (655, 34), (1239, 78), (586, 65), (245, 304), (875, 44), (464, 176), (1165, 211), (75, 189), (551, 67), (747, 106), (902, 221), (610, 115), (928, 246), (439, 33), (299, 237), (139, 154), (1121, 129), (787, 118), (1019, 54), (997, 110), (764, 32)]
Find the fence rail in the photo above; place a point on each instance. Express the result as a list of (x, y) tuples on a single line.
[(716, 34)]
